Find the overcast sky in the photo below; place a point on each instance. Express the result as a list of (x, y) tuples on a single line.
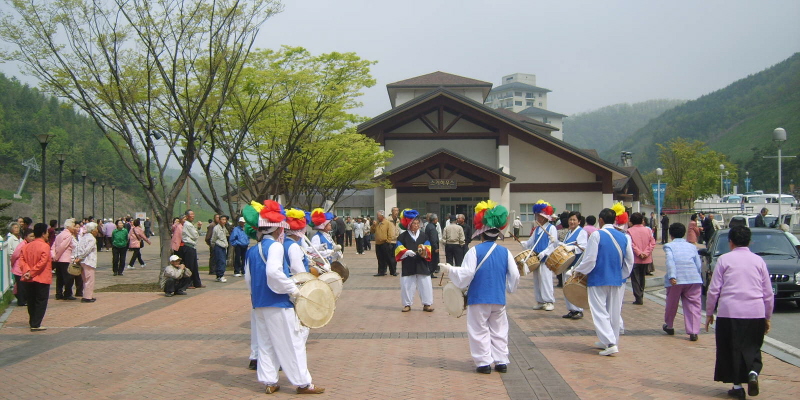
[(589, 53)]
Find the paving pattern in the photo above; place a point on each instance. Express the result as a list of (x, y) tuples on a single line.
[(144, 345)]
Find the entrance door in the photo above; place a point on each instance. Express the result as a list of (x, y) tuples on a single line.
[(454, 209)]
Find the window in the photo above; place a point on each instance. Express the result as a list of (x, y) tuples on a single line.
[(529, 103), (368, 211), (574, 207), (526, 213), (343, 211), (518, 94), (545, 120), (540, 95), (528, 95), (540, 104), (517, 103)]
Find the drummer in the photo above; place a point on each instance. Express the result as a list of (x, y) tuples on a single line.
[(414, 250), (487, 322), (322, 240), (607, 260), (280, 342), (578, 238), (292, 243), (543, 241)]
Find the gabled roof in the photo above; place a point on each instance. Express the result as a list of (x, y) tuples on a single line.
[(541, 112), (454, 155), (521, 118), (519, 86), (437, 79), (534, 128)]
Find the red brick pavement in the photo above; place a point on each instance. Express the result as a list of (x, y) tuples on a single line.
[(143, 345)]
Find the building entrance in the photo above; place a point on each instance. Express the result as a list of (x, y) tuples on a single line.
[(459, 205)]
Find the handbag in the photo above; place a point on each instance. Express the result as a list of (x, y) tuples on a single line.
[(74, 269)]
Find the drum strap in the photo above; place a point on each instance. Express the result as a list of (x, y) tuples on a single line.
[(486, 257)]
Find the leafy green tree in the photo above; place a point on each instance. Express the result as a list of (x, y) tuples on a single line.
[(691, 171), (147, 72)]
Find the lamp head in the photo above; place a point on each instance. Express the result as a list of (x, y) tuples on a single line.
[(721, 167), (43, 138), (83, 174), (659, 171), (61, 157), (779, 135)]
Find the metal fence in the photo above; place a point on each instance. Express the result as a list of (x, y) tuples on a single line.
[(6, 279)]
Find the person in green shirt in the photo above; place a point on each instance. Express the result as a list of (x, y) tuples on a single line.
[(119, 248)]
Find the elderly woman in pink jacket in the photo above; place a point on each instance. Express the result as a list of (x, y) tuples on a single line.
[(61, 251), (135, 238), (86, 254)]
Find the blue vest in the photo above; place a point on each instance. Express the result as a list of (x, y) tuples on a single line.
[(489, 283), (608, 268), (544, 241), (287, 243), (260, 293), (323, 240), (573, 237)]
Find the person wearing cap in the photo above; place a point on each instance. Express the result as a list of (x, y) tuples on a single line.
[(293, 241), (543, 241), (489, 271), (177, 277), (239, 242), (188, 249), (413, 249), (517, 227), (322, 240), (607, 260), (281, 343)]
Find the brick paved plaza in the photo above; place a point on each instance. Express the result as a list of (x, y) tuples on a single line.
[(144, 345)]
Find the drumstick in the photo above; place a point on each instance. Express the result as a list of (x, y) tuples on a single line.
[(441, 278)]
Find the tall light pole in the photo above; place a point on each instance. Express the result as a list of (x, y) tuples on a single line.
[(83, 195), (659, 172), (747, 181), (103, 213), (721, 175), (779, 136), (61, 157), (73, 169), (113, 201), (94, 183), (43, 139)]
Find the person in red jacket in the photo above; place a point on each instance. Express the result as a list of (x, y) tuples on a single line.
[(36, 267)]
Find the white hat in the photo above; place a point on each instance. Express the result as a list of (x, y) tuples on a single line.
[(241, 219), (174, 257)]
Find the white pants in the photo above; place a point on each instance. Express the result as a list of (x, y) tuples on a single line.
[(606, 312), (253, 336), (281, 343), (621, 300), (543, 284), (409, 285), (570, 306), (487, 326)]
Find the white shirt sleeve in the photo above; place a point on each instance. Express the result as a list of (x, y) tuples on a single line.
[(512, 277), (296, 256), (627, 264), (321, 248), (589, 258), (462, 276), (276, 279), (528, 244), (553, 234), (581, 241)]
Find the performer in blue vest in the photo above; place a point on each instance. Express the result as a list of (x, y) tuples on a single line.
[(607, 261), (322, 240), (489, 271), (577, 238), (272, 291), (293, 242), (543, 240)]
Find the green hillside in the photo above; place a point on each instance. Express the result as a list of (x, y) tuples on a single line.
[(605, 127), (737, 121)]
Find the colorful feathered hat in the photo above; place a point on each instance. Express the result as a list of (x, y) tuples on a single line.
[(621, 221), (544, 209), (490, 218), (320, 218), (297, 221), (268, 214), (406, 216)]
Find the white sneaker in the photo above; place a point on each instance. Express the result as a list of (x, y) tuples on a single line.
[(143, 265), (237, 275), (539, 306), (549, 307), (600, 345), (222, 279), (128, 267), (609, 351)]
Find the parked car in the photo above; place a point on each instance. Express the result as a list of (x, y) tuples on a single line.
[(769, 220), (774, 246)]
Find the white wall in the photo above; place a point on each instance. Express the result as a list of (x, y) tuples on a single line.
[(480, 150), (534, 165)]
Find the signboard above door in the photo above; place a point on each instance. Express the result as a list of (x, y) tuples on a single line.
[(442, 184)]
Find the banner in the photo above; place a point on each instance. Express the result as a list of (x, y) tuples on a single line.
[(659, 195)]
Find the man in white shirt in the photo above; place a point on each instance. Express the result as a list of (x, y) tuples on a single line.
[(189, 237)]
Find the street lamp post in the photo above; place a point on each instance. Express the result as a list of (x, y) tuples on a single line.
[(659, 172), (61, 157), (43, 139), (779, 136), (113, 201), (721, 175), (103, 212), (83, 195), (73, 169), (747, 181), (94, 183)]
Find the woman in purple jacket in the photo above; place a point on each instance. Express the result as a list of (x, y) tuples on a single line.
[(741, 292)]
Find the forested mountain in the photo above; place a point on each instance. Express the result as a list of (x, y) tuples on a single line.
[(737, 121), (24, 111), (605, 127)]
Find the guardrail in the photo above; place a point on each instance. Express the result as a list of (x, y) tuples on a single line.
[(6, 279)]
